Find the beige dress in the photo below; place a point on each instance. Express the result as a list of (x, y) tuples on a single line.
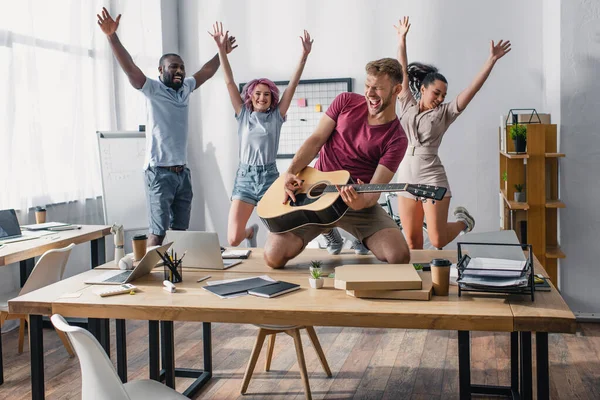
[(425, 131)]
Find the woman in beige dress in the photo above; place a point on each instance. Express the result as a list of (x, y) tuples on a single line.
[(425, 118)]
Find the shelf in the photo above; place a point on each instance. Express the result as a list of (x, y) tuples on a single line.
[(555, 204), (514, 205), (514, 155), (554, 252), (554, 155)]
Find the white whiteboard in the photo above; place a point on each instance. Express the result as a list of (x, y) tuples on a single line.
[(121, 166)]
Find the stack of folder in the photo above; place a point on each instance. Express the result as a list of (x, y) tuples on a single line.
[(384, 281)]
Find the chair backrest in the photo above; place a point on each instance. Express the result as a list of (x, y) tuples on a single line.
[(99, 380), (49, 269)]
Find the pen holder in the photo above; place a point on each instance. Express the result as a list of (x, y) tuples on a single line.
[(173, 271)]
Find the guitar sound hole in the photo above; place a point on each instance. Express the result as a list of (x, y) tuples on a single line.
[(317, 190)]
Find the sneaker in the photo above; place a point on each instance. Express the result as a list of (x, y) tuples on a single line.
[(251, 241), (461, 214), (359, 247), (334, 240)]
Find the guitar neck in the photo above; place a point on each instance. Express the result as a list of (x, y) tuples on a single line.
[(372, 187)]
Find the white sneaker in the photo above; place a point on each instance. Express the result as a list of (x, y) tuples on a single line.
[(251, 241), (334, 240), (359, 247), (461, 214)]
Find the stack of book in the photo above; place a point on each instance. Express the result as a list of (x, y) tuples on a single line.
[(384, 281)]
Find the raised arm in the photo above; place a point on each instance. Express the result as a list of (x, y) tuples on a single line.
[(288, 94), (109, 28), (402, 31), (225, 46), (496, 52), (307, 152)]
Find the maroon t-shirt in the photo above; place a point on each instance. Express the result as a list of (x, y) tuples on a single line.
[(356, 146)]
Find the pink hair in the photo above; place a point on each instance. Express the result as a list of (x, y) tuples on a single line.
[(249, 89)]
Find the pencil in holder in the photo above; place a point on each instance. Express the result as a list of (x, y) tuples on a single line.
[(173, 272)]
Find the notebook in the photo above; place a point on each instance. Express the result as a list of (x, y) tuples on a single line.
[(45, 225), (274, 289), (235, 254), (242, 286)]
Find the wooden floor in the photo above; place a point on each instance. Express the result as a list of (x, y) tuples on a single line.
[(366, 363)]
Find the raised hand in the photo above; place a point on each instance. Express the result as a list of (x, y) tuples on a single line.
[(403, 27), (230, 43), (107, 23), (221, 38), (306, 42), (499, 50)]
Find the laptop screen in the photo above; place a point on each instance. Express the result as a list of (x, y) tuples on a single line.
[(9, 225)]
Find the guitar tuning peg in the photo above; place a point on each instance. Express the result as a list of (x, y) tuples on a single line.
[(432, 201), (423, 200), (417, 198)]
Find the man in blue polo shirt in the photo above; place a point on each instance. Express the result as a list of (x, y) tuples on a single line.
[(168, 180)]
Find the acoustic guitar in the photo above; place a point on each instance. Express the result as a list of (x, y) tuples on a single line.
[(318, 201)]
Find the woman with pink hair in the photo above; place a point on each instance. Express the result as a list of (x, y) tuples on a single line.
[(260, 114)]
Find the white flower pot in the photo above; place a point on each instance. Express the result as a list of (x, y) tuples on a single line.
[(316, 283)]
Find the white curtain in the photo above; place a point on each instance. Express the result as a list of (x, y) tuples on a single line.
[(59, 84)]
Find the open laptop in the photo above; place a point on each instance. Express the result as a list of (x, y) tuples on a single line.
[(10, 231), (202, 249), (145, 266)]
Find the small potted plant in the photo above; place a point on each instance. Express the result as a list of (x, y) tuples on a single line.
[(518, 133), (505, 179), (418, 267), (316, 280), (519, 193)]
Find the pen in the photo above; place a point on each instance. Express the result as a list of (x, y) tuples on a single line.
[(203, 278)]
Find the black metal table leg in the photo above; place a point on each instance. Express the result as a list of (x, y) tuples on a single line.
[(207, 346), (1, 363), (526, 366), (36, 349), (514, 362), (26, 266), (168, 347), (98, 252), (105, 335), (153, 350), (542, 365), (464, 365), (121, 336)]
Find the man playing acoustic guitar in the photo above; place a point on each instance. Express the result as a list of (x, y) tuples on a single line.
[(363, 136)]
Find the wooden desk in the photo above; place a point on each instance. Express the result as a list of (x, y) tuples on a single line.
[(24, 253), (325, 307)]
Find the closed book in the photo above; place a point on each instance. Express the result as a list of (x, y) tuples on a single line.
[(241, 286), (274, 289)]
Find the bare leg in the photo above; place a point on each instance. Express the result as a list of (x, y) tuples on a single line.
[(440, 231), (239, 214), (411, 216), (281, 248), (388, 245)]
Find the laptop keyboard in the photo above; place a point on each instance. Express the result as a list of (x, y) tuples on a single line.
[(122, 277)]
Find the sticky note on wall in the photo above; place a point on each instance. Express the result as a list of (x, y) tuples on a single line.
[(301, 102), (318, 108)]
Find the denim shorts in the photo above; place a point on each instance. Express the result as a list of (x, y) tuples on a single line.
[(252, 181), (169, 198)]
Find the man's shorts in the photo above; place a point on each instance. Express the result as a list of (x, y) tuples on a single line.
[(360, 224), (252, 182), (169, 199)]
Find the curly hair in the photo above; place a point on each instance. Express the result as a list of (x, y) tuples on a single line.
[(422, 75), (249, 89)]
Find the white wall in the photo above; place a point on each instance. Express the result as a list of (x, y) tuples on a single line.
[(452, 35), (580, 141)]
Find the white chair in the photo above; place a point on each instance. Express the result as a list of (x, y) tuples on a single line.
[(294, 332), (99, 380), (49, 269)]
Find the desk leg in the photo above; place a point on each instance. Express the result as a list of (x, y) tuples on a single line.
[(526, 366), (514, 362), (100, 328), (207, 347), (36, 349), (464, 365), (26, 268), (543, 369), (1, 363), (98, 252), (121, 334), (153, 350), (168, 347)]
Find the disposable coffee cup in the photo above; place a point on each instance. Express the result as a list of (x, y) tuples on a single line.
[(440, 276), (40, 215), (139, 243)]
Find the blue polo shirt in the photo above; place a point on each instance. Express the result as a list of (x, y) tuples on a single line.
[(167, 126)]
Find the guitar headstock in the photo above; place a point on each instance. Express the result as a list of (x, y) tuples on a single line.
[(426, 191)]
